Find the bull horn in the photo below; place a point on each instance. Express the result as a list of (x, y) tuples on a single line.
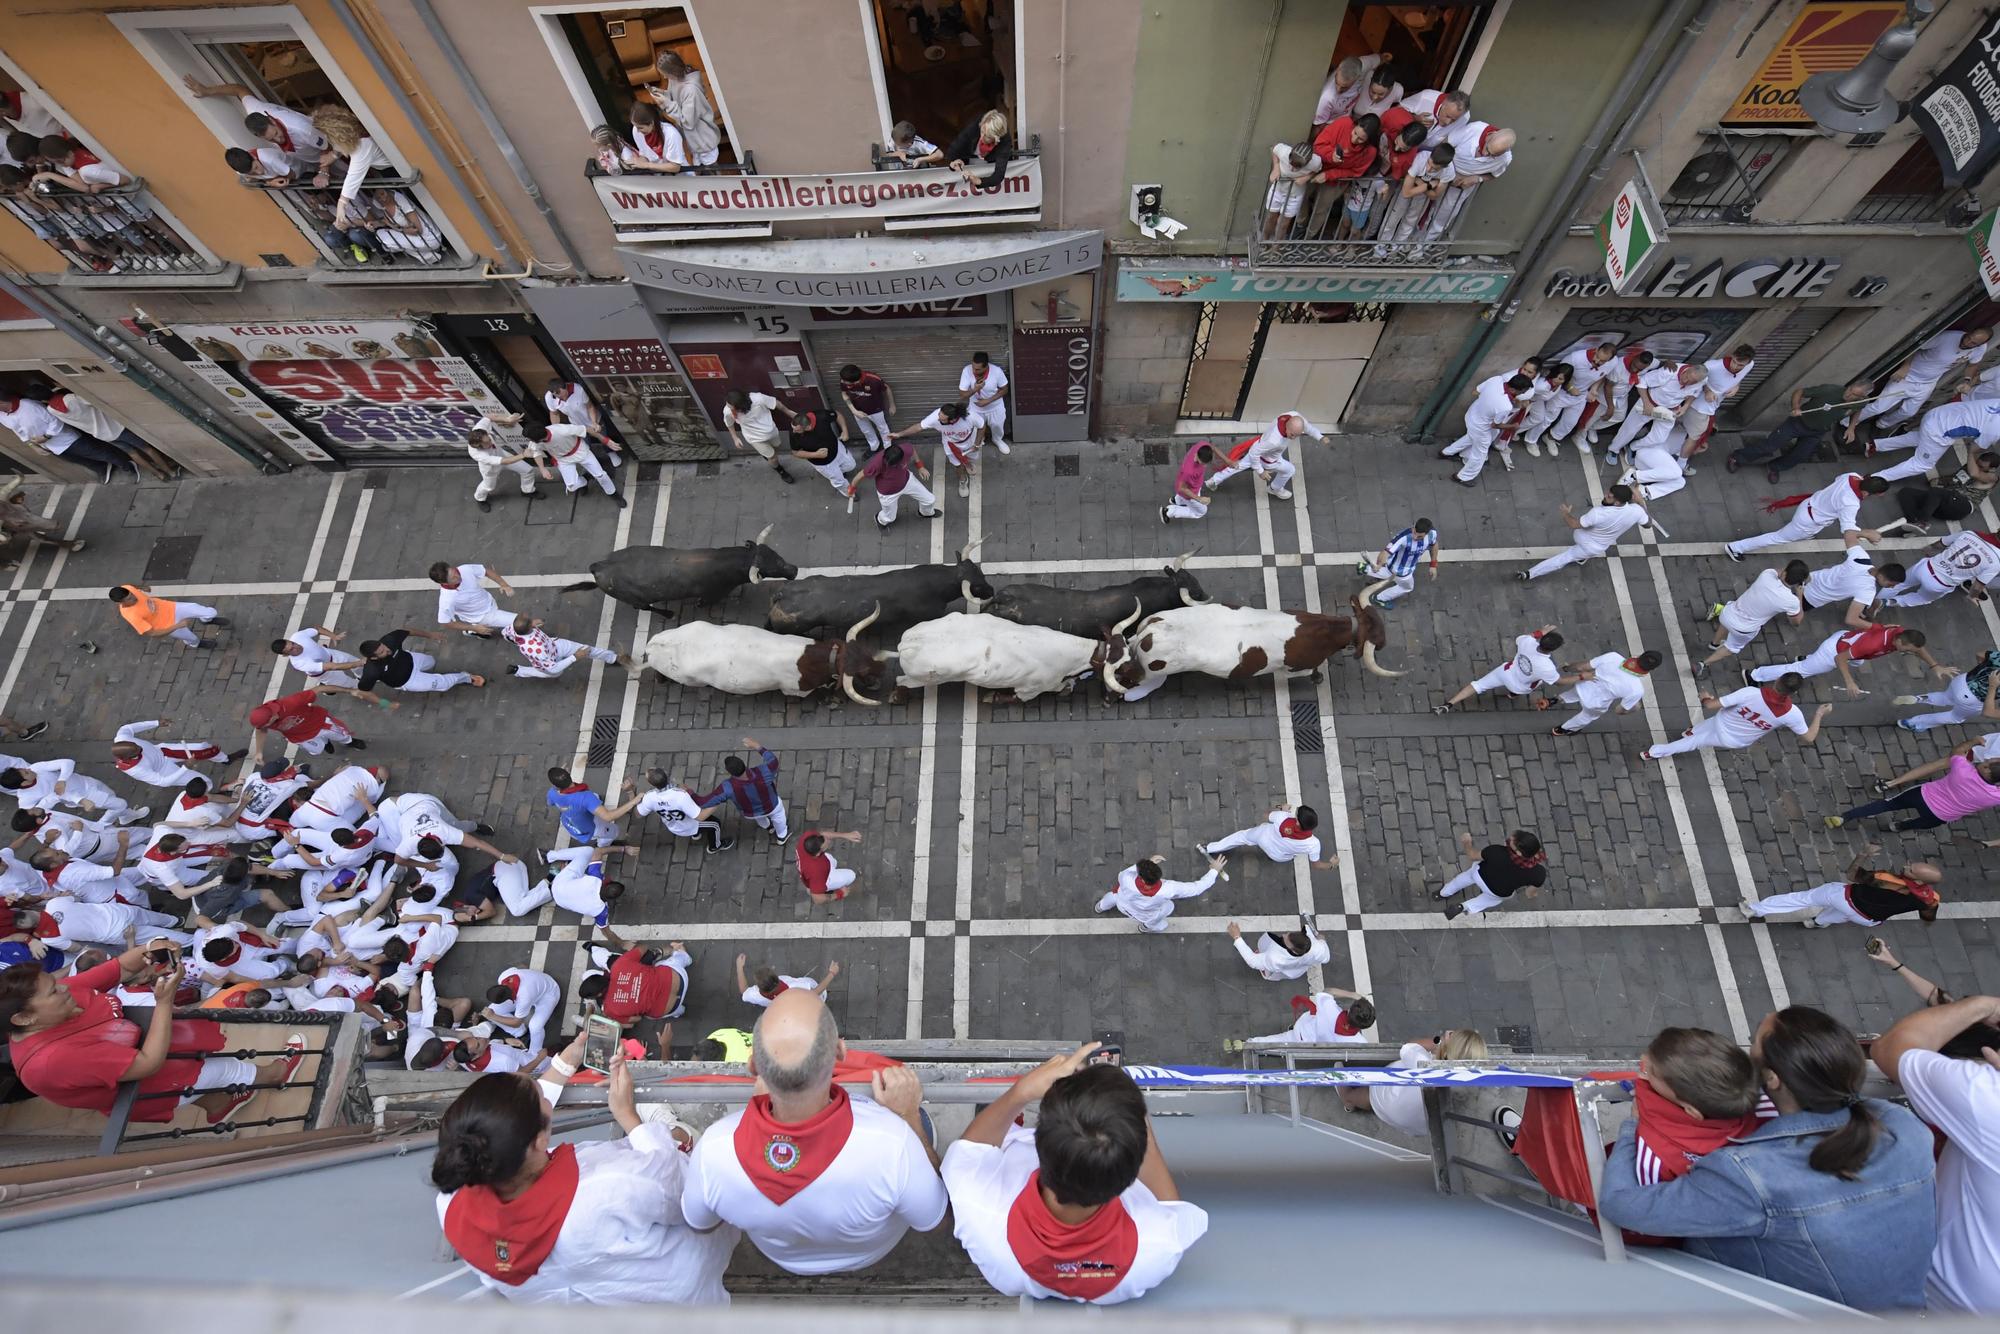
[(965, 591), (756, 575), (864, 622), (846, 680), (1137, 608), (1368, 660), (762, 535), (1180, 562), (1188, 599), (966, 552), (1365, 598)]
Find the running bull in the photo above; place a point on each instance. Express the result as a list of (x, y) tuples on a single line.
[(1240, 642), (1017, 661), (744, 660), (1090, 611), (654, 578), (826, 605)]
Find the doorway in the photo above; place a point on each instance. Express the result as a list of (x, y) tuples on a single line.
[(1250, 362)]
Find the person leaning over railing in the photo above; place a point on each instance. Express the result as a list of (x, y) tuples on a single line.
[(1832, 1196)]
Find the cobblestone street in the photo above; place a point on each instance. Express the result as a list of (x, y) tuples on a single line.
[(988, 831)]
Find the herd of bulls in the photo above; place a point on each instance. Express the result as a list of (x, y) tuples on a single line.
[(877, 636)]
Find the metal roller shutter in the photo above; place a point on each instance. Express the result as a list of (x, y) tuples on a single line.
[(920, 364), (1777, 347)]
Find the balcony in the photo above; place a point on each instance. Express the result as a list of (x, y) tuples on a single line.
[(113, 233), (1299, 227), (693, 204), (390, 226)]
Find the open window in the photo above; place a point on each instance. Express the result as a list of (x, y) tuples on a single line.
[(610, 57), (268, 62), (1422, 46), (945, 63)]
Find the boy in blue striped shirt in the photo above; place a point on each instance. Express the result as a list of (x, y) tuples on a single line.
[(1398, 562)]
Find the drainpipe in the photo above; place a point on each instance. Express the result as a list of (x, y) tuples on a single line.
[(491, 121), (1588, 166), (138, 370), (360, 33)]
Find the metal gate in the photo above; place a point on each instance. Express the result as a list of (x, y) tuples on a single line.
[(921, 364), (1778, 347)]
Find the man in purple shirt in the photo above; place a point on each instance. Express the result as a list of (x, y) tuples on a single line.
[(753, 789), (1188, 502), (891, 471)]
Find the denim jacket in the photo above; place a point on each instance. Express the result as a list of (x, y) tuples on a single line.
[(1755, 1205)]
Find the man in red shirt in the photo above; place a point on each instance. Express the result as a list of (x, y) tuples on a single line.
[(300, 720), (871, 401), (825, 879), (1838, 651), (642, 984)]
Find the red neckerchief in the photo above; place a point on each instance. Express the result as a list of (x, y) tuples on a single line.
[(479, 1062), (1854, 481), (234, 955), (1777, 702), (59, 402), (1527, 863), (1632, 665), (986, 147), (1992, 538), (122, 764), (513, 985), (1290, 828), (508, 1240), (284, 135), (1082, 1260), (188, 803), (1149, 890), (1484, 135), (783, 1158), (574, 787), (656, 139), (1916, 889)]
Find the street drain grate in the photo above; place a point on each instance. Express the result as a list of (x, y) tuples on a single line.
[(1069, 465), (603, 739), (1156, 456), (1307, 739), (172, 559)]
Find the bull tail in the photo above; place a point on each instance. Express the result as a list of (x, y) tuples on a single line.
[(581, 586)]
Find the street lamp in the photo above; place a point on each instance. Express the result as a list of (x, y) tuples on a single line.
[(1856, 101)]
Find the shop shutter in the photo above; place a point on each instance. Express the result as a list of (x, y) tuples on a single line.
[(920, 364), (1777, 347)]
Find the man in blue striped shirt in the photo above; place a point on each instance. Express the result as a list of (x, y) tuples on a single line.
[(753, 790), (1398, 561)]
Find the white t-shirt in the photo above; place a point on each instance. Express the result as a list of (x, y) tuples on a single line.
[(307, 142), (564, 441), (676, 808), (42, 791), (1529, 667), (1745, 717), (852, 1210), (467, 602), (1402, 1106), (1767, 597), (31, 420), (1613, 687), (989, 390), (413, 816), (1603, 525), (670, 148), (313, 655), (1937, 353), (1852, 580), (956, 435), (575, 405), (1962, 1099), (153, 765), (1836, 502), (1722, 381), (752, 996), (985, 1182), (74, 409), (1334, 103), (1278, 964), (1326, 1022), (755, 422), (1663, 385), (340, 796), (1493, 405), (1583, 373), (1967, 556)]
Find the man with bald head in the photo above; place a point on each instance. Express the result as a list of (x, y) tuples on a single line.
[(822, 1183)]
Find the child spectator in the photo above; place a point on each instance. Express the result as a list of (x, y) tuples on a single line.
[(1292, 168), (1696, 1091), (610, 148), (907, 148)]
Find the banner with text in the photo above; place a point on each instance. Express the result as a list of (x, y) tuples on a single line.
[(1960, 112), (686, 201)]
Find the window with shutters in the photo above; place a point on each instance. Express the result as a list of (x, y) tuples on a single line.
[(1913, 191)]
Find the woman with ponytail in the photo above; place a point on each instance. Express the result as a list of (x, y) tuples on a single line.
[(596, 1222), (1832, 1196)]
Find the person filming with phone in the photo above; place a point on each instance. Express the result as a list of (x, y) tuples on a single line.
[(1080, 1206)]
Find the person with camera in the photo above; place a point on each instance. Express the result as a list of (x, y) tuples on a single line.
[(597, 1222), (71, 1043), (1081, 1206)]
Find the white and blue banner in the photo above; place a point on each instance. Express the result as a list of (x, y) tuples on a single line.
[(1215, 1076)]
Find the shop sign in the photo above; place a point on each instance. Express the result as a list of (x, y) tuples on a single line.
[(1960, 112), (1629, 232), (1680, 280), (1006, 268), (1051, 370), (1823, 37), (1226, 282), (1980, 238), (361, 340), (419, 404), (619, 356), (956, 308), (645, 200)]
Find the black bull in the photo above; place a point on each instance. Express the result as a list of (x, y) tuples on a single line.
[(827, 606), (654, 578), (1090, 612)]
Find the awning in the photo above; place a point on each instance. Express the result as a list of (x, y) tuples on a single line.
[(861, 270)]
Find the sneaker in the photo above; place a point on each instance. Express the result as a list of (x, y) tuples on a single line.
[(360, 256), (1687, 470), (1441, 709), (1700, 670), (219, 620), (1904, 723), (1904, 701), (786, 477), (1279, 494), (1730, 464), (1454, 911), (723, 846), (356, 743), (619, 500), (930, 514), (1835, 821), (1003, 446), (1748, 909), (1771, 475), (1523, 575), (1163, 514), (482, 829), (1868, 451), (1560, 731), (1714, 613), (785, 839), (1731, 552), (1748, 679), (964, 486), (34, 730), (1535, 450), (513, 669), (485, 506), (1507, 462), (232, 757)]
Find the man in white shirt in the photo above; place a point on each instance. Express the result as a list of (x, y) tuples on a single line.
[(764, 985), (1947, 1060), (1665, 394), (1493, 406), (747, 416), (676, 807), (1970, 560), (522, 1002), (1285, 834), (1529, 667), (1267, 455), (1771, 594), (1283, 958), (464, 605), (1975, 423), (1344, 88), (1147, 897), (106, 924), (1587, 365), (1322, 1020), (568, 447), (579, 885), (1608, 683), (1911, 385), (819, 1182), (1080, 1207), (310, 650), (983, 387), (1724, 374), (54, 783), (163, 763), (34, 424), (291, 132), (106, 440), (340, 800), (85, 840), (1839, 502), (1745, 717), (1595, 533), (962, 435), (1855, 580), (1480, 153), (493, 453)]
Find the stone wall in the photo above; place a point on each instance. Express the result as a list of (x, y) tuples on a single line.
[(1416, 347), (1146, 347)]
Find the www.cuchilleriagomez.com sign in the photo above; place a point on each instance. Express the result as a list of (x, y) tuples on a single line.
[(645, 200)]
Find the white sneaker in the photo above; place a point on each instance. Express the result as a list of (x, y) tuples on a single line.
[(1276, 494), (1535, 450), (964, 485), (1584, 443), (1002, 446), (663, 1114), (1507, 461)]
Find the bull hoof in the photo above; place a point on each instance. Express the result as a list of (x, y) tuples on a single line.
[(1317, 676)]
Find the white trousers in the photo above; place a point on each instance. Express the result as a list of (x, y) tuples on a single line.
[(1474, 445), (1828, 903), (840, 877), (1646, 429), (489, 478), (835, 470), (1797, 529), (221, 1072), (1921, 588), (994, 418), (1577, 554), (775, 822), (1263, 837), (583, 461), (1469, 879), (1900, 399), (424, 681), (1959, 705), (1707, 734), (1401, 585), (565, 655), (874, 429), (1819, 662), (196, 611), (1657, 469), (1404, 218), (1928, 448), (333, 734), (1585, 714), (1180, 507), (1279, 469), (517, 895), (890, 503)]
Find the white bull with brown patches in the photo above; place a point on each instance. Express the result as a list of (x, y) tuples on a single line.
[(1236, 643)]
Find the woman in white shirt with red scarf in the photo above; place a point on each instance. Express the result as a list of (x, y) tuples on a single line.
[(596, 1222)]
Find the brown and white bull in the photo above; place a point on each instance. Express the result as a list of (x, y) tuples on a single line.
[(1016, 661), (747, 660), (1240, 642)]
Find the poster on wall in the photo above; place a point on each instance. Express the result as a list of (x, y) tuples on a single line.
[(649, 403), (1669, 333), (333, 340), (1959, 113), (1825, 36)]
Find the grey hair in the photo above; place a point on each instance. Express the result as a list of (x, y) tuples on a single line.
[(812, 1072), (1349, 69), (1460, 100)]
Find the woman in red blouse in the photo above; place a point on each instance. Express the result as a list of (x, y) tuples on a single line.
[(71, 1043)]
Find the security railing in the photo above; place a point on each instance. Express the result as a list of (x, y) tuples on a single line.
[(110, 232), (880, 159), (1362, 223), (387, 224)]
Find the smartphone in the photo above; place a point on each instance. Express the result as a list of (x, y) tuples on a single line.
[(1110, 1048), (162, 959), (600, 1042), (1875, 946)]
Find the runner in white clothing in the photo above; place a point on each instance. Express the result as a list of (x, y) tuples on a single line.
[(1745, 717), (1529, 667), (163, 763), (567, 448), (676, 807), (1146, 897), (1267, 455), (463, 604), (522, 1002), (764, 985), (1666, 394), (1855, 580), (310, 649), (1322, 1021), (547, 656), (1975, 423), (1910, 387), (342, 799), (54, 783), (1608, 683), (1839, 501), (494, 453), (1772, 594), (1283, 958), (1970, 560), (1494, 404), (1723, 375), (983, 387), (1286, 834), (1595, 533), (962, 434)]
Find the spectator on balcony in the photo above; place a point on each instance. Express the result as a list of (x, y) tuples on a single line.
[(1346, 148), (1429, 173), (1438, 111), (610, 150), (1383, 93), (71, 166), (346, 137), (22, 150), (1293, 167), (1402, 1106), (656, 146), (907, 148), (400, 227), (52, 223), (685, 107), (266, 168), (1343, 89), (22, 112), (985, 140), (1480, 155), (293, 133)]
